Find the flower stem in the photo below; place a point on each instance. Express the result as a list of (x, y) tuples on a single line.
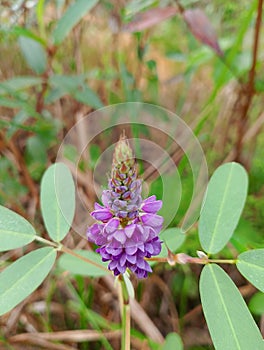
[(125, 314)]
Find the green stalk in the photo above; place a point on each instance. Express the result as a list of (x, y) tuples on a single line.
[(125, 314)]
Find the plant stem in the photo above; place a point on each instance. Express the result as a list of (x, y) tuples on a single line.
[(66, 250), (182, 258), (248, 90), (45, 241), (89, 261), (207, 261), (125, 315)]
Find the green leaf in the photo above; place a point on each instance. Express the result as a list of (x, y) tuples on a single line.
[(76, 86), (168, 187), (22, 277), (95, 153), (251, 265), (57, 199), (18, 83), (71, 17), (34, 54), (173, 342), (36, 156), (256, 304), (67, 83), (25, 32), (173, 238), (246, 236), (15, 231), (80, 267), (13, 103), (89, 97), (223, 204), (229, 321)]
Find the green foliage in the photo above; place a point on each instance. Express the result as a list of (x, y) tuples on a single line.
[(34, 54), (246, 236), (57, 201), (230, 323), (55, 70), (172, 238), (173, 341), (222, 207), (256, 304), (15, 231), (22, 277), (18, 83), (168, 188), (36, 156), (76, 266), (251, 266), (71, 17), (11, 182), (75, 86)]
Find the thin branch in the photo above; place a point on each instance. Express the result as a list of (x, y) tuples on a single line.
[(247, 91), (251, 76)]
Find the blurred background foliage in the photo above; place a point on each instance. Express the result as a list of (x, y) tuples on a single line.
[(61, 60)]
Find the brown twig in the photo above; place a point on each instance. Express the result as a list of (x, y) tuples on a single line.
[(66, 336), (20, 163), (247, 91)]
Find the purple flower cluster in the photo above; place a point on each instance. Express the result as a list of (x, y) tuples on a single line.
[(127, 226)]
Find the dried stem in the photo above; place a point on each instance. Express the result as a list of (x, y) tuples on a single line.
[(247, 91)]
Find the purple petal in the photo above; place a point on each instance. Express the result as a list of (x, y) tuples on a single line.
[(112, 225), (131, 249), (113, 251), (147, 267), (98, 206), (122, 214), (129, 230), (106, 198), (153, 220), (149, 248), (150, 199), (102, 214), (141, 273), (131, 258), (123, 259), (112, 265), (94, 232), (122, 269), (120, 236), (152, 207)]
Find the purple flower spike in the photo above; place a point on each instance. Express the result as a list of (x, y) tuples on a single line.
[(127, 229)]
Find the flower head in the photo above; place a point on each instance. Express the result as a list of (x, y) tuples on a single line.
[(127, 226)]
